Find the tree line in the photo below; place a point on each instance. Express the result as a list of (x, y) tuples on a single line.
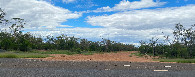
[(182, 46), (13, 38)]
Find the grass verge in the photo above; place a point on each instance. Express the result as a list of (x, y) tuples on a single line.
[(88, 53), (55, 52), (44, 53), (178, 60), (22, 55)]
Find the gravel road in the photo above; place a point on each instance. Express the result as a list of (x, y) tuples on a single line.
[(39, 68)]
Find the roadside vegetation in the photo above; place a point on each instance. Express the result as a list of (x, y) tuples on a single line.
[(22, 55), (40, 53), (182, 46), (178, 60), (181, 49), (12, 38), (53, 52)]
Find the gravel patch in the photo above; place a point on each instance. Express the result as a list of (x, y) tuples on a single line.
[(40, 68)]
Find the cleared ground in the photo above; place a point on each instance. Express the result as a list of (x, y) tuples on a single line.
[(119, 56)]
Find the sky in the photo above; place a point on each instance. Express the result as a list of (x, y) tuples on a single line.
[(125, 21)]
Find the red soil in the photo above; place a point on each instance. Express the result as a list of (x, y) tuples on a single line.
[(120, 56)]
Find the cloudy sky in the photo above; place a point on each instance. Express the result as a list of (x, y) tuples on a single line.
[(126, 21)]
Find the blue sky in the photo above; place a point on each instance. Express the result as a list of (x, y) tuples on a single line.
[(126, 21), (94, 4)]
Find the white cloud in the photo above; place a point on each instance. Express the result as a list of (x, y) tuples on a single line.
[(146, 19), (127, 5), (136, 25), (36, 13)]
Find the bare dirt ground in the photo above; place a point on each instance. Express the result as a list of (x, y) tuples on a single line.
[(119, 56)]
